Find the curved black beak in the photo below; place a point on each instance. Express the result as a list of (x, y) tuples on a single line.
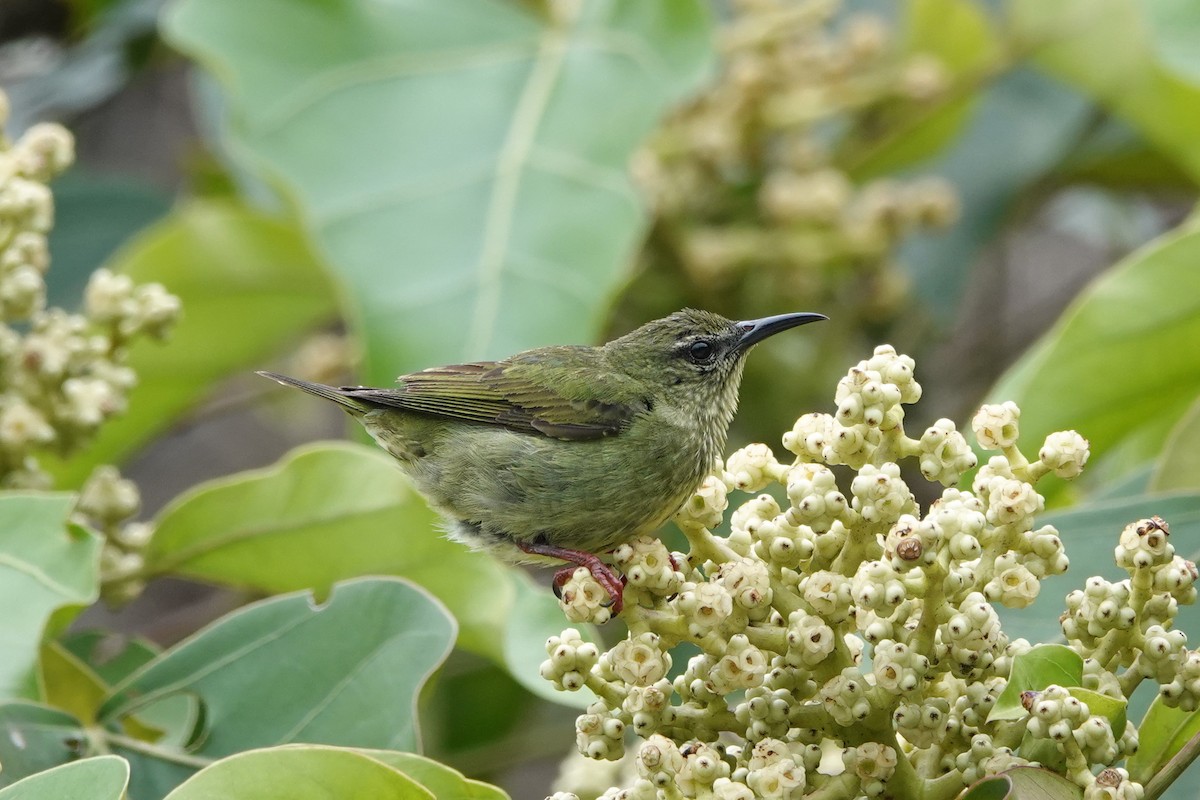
[(755, 330)]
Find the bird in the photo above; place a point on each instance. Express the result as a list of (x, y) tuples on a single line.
[(563, 453)]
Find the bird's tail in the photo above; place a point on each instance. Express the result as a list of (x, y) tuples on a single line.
[(339, 396)]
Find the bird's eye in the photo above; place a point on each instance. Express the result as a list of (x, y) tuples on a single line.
[(701, 351)]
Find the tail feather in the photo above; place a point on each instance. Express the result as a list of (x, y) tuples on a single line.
[(339, 396)]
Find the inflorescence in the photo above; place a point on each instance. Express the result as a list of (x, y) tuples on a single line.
[(779, 701), (62, 374)]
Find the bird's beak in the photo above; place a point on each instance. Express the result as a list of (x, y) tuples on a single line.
[(755, 330)]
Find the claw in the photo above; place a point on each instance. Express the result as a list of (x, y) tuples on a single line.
[(604, 574)]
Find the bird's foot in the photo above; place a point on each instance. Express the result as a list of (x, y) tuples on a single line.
[(605, 575)]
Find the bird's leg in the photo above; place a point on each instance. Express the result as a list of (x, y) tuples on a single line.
[(603, 573)]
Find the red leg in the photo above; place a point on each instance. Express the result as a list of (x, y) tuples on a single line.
[(603, 573)]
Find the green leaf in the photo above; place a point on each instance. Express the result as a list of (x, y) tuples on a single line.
[(1105, 48), (445, 783), (45, 564), (481, 191), (36, 738), (1174, 31), (1178, 466), (1024, 783), (1111, 708), (286, 669), (959, 35), (328, 512), (1044, 665), (1163, 733), (114, 657), (1117, 366), (249, 285), (99, 778), (300, 773)]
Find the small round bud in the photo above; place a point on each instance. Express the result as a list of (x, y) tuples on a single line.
[(1065, 453)]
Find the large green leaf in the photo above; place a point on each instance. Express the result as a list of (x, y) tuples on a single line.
[(308, 772), (99, 778), (249, 285), (329, 512), (1120, 365), (287, 669), (1105, 47), (462, 162), (45, 564)]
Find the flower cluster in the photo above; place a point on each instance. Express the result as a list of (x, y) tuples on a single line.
[(781, 699), (108, 503), (61, 375), (747, 179)]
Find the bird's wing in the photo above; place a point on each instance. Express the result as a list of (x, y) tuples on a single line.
[(513, 395)]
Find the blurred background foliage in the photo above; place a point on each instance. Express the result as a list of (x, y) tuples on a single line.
[(350, 190)]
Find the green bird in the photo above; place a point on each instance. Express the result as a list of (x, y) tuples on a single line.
[(565, 452)]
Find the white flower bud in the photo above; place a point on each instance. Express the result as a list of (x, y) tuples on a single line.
[(995, 425), (706, 507), (1065, 453), (752, 468)]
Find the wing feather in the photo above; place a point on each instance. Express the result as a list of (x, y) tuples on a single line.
[(516, 394)]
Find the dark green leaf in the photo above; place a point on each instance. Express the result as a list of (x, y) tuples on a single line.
[(114, 657), (92, 217)]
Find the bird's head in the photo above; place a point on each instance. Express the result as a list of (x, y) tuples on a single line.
[(694, 358)]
